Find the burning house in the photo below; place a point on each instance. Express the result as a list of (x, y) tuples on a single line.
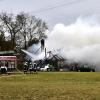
[(55, 62)]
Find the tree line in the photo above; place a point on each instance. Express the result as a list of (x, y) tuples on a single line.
[(20, 31)]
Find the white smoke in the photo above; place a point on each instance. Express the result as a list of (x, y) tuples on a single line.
[(33, 56), (79, 41)]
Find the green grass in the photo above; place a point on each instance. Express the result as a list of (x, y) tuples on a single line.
[(51, 86)]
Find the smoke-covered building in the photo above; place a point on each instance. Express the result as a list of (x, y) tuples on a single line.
[(54, 61)]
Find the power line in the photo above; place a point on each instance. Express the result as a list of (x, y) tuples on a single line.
[(61, 5)]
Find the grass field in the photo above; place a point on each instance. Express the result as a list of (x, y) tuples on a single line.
[(51, 86)]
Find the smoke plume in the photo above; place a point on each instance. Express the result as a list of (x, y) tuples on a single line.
[(79, 41)]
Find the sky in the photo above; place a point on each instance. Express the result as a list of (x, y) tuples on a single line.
[(53, 11)]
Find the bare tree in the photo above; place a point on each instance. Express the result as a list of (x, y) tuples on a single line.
[(11, 26), (23, 28), (33, 29)]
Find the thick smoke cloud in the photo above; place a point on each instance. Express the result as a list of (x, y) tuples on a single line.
[(79, 41)]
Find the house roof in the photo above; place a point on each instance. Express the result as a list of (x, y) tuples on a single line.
[(6, 52)]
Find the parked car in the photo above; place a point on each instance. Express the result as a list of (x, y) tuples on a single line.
[(45, 68), (3, 69)]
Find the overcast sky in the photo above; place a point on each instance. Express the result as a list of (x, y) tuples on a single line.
[(53, 11)]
